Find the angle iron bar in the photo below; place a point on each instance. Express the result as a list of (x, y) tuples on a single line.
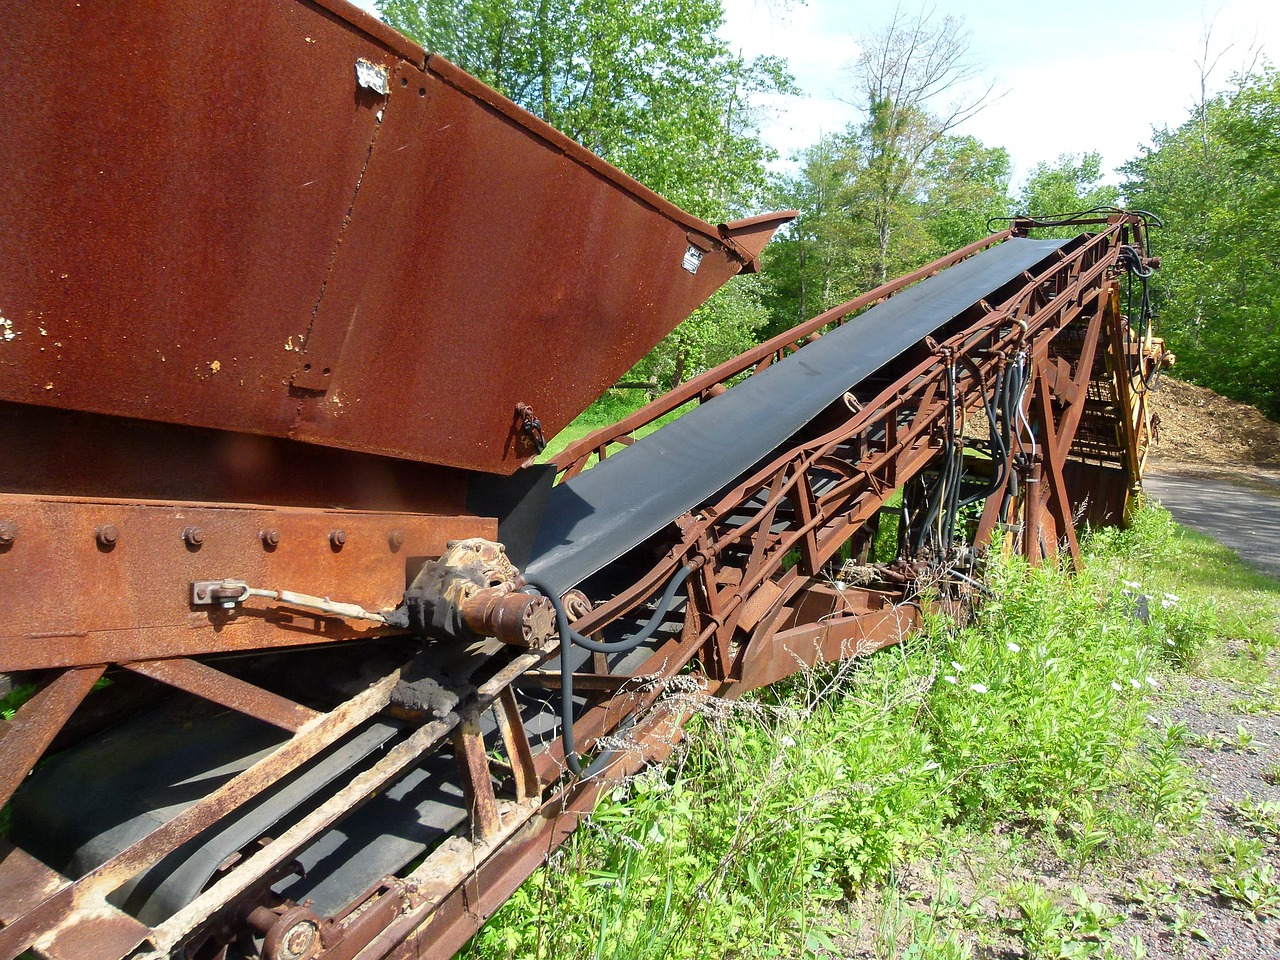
[(169, 934), (222, 688), (24, 739)]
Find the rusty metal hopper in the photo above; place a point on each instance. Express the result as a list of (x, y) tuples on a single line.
[(284, 218)]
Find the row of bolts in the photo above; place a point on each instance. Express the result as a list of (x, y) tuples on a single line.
[(108, 534)]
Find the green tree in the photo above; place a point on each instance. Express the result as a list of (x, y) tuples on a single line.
[(1068, 186), (1213, 180), (834, 250), (648, 85), (967, 185), (908, 75), (825, 257)]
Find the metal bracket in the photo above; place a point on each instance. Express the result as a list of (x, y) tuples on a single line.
[(224, 593)]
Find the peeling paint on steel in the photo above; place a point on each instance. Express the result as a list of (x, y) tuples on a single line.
[(692, 259), (373, 76)]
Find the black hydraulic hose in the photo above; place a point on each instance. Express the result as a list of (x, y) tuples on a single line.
[(941, 490), (951, 512), (1148, 380), (570, 637), (941, 499), (1016, 383), (1133, 262), (999, 450)]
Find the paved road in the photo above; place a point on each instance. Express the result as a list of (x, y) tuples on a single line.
[(1245, 519)]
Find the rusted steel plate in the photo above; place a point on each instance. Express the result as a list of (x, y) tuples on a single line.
[(103, 931), (108, 581), (543, 276), (67, 453), (856, 624), (210, 218), (177, 178), (98, 930), (25, 882)]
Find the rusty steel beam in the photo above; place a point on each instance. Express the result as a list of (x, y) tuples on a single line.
[(109, 581), (24, 739), (204, 681), (76, 905)]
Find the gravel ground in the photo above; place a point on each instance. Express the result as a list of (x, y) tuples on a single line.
[(1235, 747)]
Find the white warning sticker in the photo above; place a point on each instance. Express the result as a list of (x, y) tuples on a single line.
[(692, 259)]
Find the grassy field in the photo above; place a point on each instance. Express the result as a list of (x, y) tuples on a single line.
[(788, 823)]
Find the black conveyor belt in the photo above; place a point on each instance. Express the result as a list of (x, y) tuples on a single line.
[(594, 518)]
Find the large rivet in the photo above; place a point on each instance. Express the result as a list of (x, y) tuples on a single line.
[(193, 537), (395, 539), (337, 538), (8, 533), (270, 538), (107, 535)]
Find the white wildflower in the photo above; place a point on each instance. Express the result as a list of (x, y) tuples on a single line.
[(1013, 647), (931, 765), (1135, 683), (958, 668), (978, 687), (1152, 682), (1116, 687), (950, 679), (788, 741), (1132, 584)]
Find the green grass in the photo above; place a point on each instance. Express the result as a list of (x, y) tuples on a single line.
[(606, 411), (1030, 725)]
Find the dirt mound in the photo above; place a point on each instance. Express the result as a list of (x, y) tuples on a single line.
[(1201, 428)]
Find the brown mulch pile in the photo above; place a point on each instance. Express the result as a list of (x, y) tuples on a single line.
[(1200, 427)]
